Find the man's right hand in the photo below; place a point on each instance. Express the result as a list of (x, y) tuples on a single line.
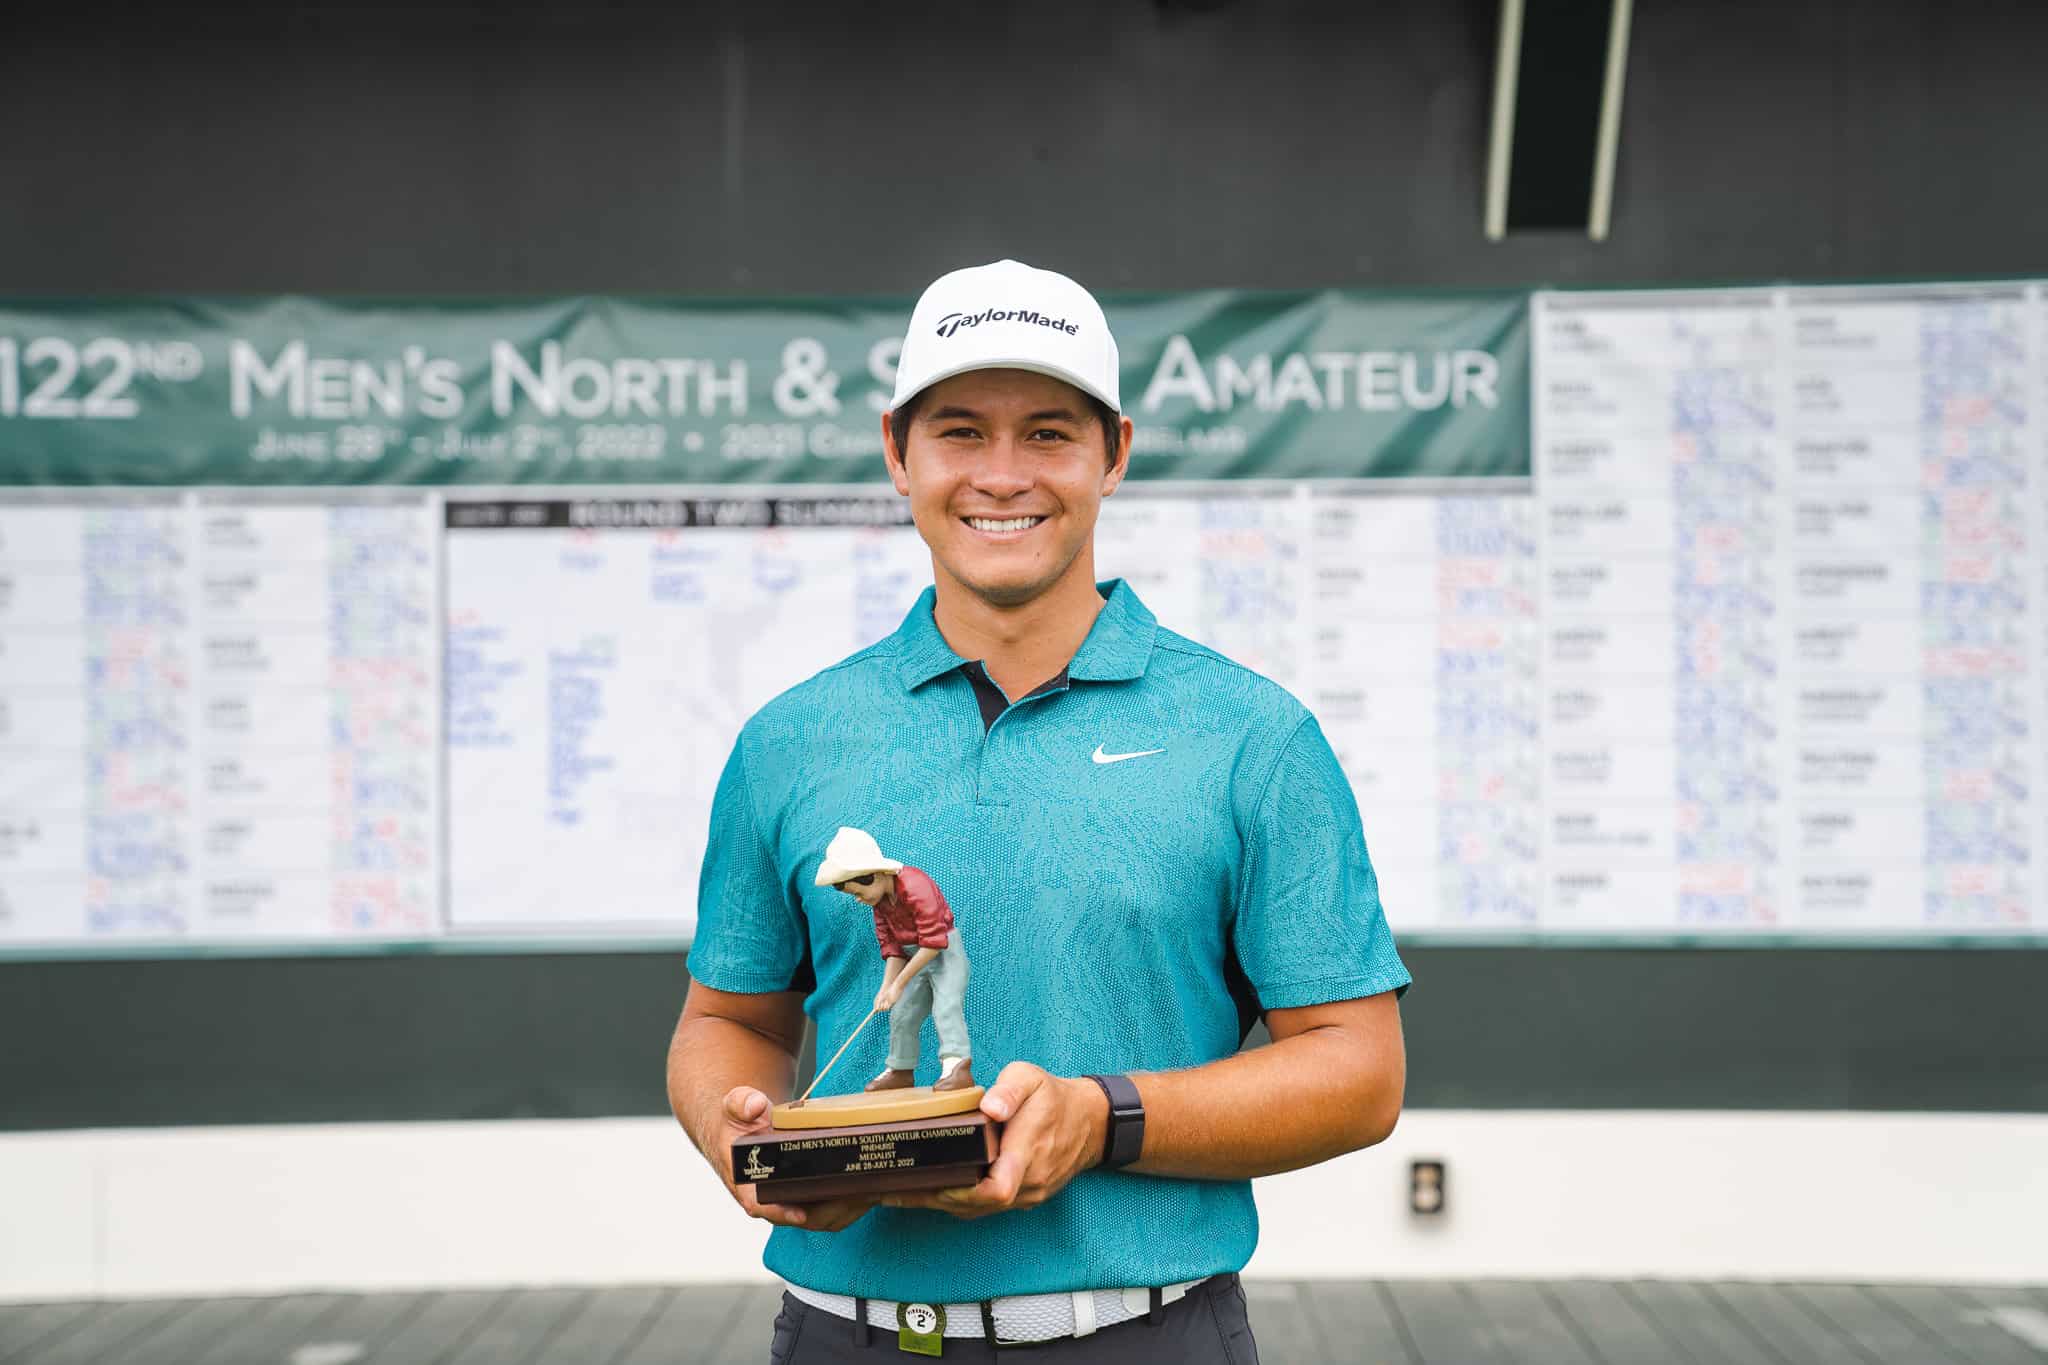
[(747, 1113)]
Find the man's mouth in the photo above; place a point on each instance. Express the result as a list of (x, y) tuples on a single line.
[(996, 526)]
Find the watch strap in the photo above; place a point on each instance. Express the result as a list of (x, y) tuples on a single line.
[(1124, 1135)]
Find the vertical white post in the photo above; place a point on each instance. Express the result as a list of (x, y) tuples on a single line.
[(1507, 66), (1610, 122)]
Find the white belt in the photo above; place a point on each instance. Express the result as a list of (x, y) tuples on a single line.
[(1021, 1317)]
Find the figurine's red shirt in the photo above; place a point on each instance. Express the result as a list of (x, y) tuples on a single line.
[(915, 912)]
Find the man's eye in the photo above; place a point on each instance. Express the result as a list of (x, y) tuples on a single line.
[(950, 432), (1052, 432)]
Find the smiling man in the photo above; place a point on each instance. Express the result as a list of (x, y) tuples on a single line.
[(1149, 845)]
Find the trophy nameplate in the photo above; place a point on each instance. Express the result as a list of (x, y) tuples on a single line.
[(788, 1165)]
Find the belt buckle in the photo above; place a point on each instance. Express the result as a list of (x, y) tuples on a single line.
[(996, 1343)]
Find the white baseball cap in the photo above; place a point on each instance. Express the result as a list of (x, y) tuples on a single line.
[(1008, 316)]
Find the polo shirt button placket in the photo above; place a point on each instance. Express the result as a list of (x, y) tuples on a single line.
[(986, 790), (992, 773), (992, 781)]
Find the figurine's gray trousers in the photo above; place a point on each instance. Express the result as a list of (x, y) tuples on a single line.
[(940, 990)]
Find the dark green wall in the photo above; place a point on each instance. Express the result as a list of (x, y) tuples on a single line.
[(780, 147), (251, 1040)]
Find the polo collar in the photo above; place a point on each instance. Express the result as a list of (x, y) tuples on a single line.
[(1119, 644), (1118, 647), (921, 652)]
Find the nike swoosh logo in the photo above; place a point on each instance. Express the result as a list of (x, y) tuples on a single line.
[(1101, 757)]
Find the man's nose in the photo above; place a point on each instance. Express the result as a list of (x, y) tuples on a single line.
[(1005, 469)]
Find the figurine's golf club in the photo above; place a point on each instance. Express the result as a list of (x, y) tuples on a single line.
[(835, 1057)]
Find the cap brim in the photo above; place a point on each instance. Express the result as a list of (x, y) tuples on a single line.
[(1014, 363), (832, 875)]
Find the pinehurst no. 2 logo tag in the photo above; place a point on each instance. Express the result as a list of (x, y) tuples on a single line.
[(921, 1328)]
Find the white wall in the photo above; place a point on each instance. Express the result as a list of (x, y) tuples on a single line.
[(614, 1201)]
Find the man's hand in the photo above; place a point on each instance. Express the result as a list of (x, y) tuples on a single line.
[(1053, 1130), (891, 992), (746, 1113)]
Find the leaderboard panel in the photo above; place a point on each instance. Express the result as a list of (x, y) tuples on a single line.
[(1792, 560), (219, 717), (602, 655), (235, 718), (1424, 675), (1406, 623)]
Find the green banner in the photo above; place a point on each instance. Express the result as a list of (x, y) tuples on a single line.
[(297, 391)]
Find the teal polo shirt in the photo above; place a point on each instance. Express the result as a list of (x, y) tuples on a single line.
[(1129, 915)]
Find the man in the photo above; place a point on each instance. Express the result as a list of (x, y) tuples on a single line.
[(914, 925), (1148, 844)]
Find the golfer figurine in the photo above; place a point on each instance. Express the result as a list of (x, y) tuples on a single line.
[(891, 1135), (924, 966)]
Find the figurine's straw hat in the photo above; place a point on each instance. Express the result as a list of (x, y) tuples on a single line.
[(852, 853)]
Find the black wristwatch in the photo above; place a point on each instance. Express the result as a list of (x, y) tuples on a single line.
[(1124, 1136)]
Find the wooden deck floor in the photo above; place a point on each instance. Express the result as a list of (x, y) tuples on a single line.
[(1568, 1322)]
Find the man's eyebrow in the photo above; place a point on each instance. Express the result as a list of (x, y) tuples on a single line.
[(1055, 415), (951, 414)]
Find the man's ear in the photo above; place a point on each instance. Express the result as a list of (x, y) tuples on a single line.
[(891, 456), (1121, 465)]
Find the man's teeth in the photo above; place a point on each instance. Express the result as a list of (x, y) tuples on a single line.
[(1013, 524)]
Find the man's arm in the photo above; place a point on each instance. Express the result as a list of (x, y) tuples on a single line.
[(1330, 1082), (732, 1056)]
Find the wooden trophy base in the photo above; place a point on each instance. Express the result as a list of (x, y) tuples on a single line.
[(880, 1106), (911, 1139)]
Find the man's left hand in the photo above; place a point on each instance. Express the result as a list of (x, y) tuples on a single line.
[(1053, 1130)]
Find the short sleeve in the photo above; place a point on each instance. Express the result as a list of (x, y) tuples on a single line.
[(1309, 927), (750, 936)]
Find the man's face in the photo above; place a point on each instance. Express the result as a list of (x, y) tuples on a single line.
[(872, 890), (1005, 471)]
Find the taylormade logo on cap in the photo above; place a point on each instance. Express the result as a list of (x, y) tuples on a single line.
[(1008, 315), (953, 322)]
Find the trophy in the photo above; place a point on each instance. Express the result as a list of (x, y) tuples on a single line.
[(892, 1135)]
